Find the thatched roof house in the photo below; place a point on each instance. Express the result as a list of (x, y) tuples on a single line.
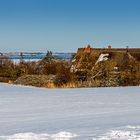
[(87, 57)]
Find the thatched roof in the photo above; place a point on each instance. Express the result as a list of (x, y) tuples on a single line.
[(118, 55)]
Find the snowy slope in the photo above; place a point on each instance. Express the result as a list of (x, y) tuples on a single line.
[(28, 113)]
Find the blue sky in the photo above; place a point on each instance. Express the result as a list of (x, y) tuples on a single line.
[(65, 25)]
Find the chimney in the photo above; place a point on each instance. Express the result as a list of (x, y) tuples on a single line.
[(109, 47)]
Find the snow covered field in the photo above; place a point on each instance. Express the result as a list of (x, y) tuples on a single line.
[(28, 113)]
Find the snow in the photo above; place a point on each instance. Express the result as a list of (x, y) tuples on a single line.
[(33, 136), (126, 133), (73, 68), (29, 113), (17, 61), (102, 57)]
